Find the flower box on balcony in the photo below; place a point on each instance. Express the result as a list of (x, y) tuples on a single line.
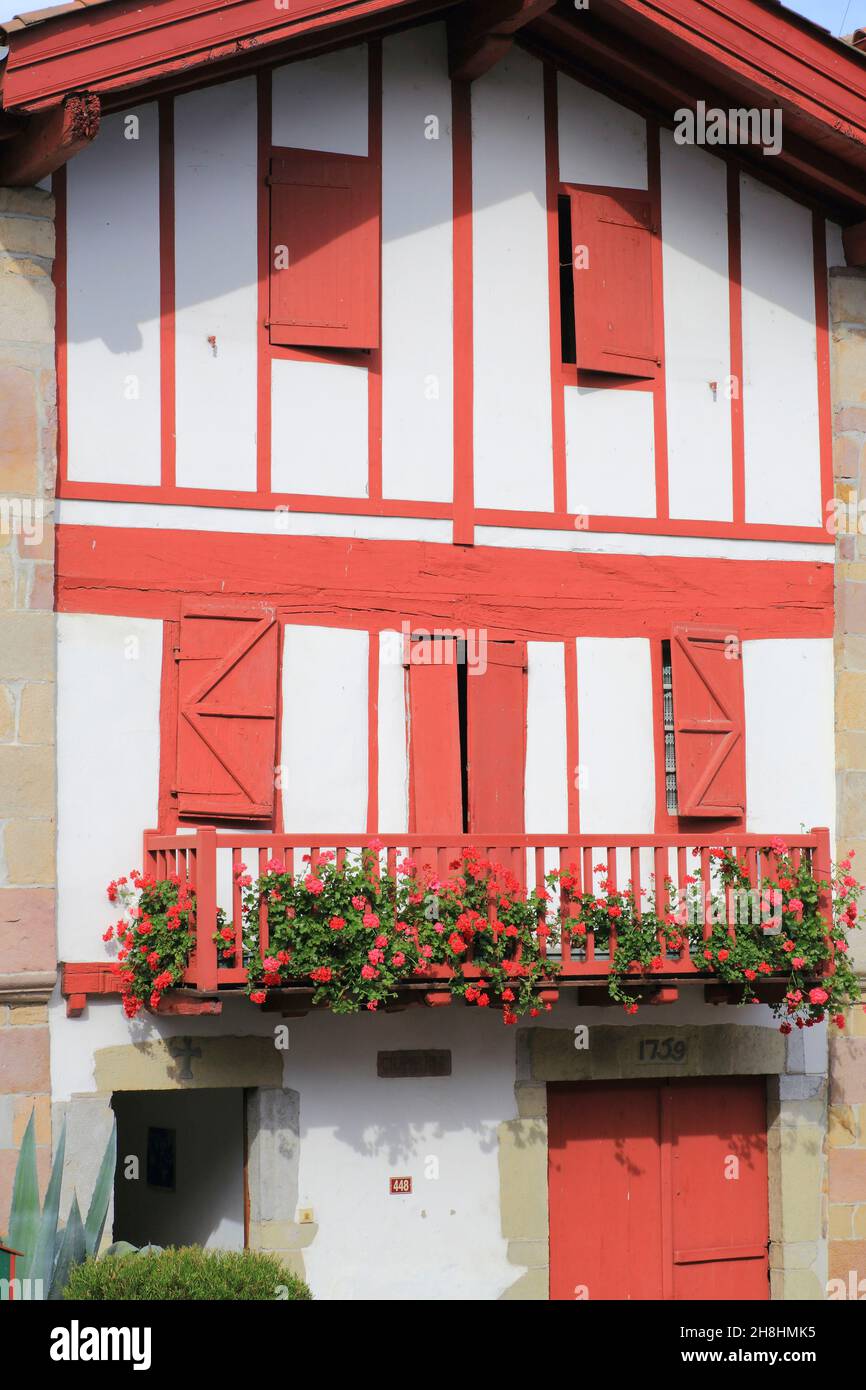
[(359, 922)]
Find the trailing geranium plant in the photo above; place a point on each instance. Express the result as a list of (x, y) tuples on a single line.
[(155, 936), (777, 930), (358, 932)]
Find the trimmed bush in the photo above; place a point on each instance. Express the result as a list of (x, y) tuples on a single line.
[(187, 1273)]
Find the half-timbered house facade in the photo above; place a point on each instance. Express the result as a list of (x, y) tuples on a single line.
[(444, 459)]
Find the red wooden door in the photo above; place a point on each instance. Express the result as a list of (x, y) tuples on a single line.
[(658, 1190)]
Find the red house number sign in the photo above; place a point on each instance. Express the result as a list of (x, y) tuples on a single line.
[(399, 1186)]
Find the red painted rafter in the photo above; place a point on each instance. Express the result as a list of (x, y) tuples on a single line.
[(134, 42), (49, 140), (769, 51), (481, 33), (682, 75)]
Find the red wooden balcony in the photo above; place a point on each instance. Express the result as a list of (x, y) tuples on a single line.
[(208, 861)]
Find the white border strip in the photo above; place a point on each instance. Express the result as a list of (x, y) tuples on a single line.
[(276, 522)]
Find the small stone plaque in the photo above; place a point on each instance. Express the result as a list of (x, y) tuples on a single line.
[(414, 1062)]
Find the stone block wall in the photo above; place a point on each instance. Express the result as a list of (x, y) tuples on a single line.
[(846, 1143), (28, 428)]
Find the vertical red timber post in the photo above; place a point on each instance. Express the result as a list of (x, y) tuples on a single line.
[(205, 959), (374, 366), (464, 484), (821, 870)]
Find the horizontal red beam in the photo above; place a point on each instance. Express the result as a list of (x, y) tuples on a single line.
[(347, 582), (320, 839)]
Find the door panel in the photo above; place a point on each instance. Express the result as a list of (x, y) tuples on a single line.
[(719, 1180), (658, 1189), (604, 1192)]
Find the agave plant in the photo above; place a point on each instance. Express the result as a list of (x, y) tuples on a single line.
[(49, 1252)]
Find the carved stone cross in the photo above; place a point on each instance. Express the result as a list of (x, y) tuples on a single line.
[(183, 1052)]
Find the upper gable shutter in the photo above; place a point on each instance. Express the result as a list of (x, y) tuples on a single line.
[(435, 774), (707, 672), (496, 700), (227, 712), (615, 328), (325, 212)]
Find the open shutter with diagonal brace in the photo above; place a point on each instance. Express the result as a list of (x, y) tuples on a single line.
[(227, 712), (709, 721)]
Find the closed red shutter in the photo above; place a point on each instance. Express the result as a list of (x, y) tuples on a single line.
[(615, 328), (496, 700), (435, 776), (227, 712), (707, 676), (324, 276)]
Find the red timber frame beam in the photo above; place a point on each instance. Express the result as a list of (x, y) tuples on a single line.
[(49, 139), (482, 33)]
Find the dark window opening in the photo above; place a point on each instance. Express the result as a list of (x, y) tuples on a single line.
[(670, 736), (566, 282)]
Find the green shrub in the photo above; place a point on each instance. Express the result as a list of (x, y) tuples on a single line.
[(187, 1273)]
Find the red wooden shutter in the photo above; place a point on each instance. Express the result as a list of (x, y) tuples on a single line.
[(325, 213), (613, 283), (227, 712), (707, 673), (496, 700), (435, 778)]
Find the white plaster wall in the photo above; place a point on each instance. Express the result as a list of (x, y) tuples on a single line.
[(780, 373), (547, 770), (324, 735), (634, 543), (790, 755), (615, 735), (319, 437), (697, 331), (610, 452), (216, 285), (108, 690), (112, 228), (417, 282), (393, 735), (321, 103), (600, 141), (513, 440), (442, 1242)]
